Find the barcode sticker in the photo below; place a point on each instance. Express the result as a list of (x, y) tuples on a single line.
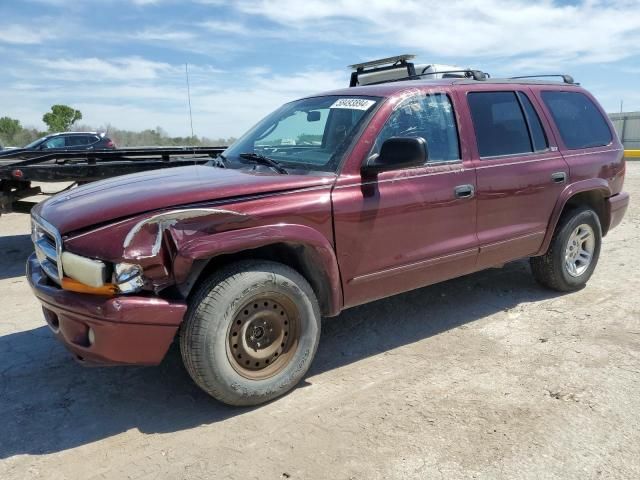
[(353, 103)]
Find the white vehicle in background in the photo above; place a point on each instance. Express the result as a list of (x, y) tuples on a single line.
[(400, 68)]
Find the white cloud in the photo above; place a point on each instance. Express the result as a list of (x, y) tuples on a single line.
[(163, 35), (92, 69), (226, 27), (19, 34), (586, 32)]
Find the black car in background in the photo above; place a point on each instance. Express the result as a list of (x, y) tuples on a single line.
[(72, 141), (61, 142)]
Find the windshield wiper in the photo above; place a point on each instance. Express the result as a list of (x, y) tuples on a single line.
[(220, 161), (262, 160)]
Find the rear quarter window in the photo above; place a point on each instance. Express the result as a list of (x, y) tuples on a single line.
[(579, 121)]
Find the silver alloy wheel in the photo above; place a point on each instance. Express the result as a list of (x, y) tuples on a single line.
[(579, 250)]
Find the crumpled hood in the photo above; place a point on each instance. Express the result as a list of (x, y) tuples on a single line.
[(128, 195)]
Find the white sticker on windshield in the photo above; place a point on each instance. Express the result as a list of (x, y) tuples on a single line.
[(353, 103)]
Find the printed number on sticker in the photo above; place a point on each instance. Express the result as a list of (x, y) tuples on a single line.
[(353, 103)]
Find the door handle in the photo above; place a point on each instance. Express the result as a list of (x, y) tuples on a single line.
[(559, 177), (464, 191)]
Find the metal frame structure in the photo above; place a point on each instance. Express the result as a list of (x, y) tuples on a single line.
[(18, 168)]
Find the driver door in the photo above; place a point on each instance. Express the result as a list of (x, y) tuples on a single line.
[(412, 227)]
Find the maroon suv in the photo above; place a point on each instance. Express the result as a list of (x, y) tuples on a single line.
[(331, 201)]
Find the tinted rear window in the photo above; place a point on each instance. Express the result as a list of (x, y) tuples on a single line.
[(579, 121), (499, 124)]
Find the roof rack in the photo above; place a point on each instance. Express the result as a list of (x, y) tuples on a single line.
[(400, 62), (381, 65), (565, 78)]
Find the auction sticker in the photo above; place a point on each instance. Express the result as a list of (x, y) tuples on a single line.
[(353, 103)]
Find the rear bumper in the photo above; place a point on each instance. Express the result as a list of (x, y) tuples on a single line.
[(616, 207), (128, 330)]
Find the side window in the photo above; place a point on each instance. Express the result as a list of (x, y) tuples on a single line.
[(56, 142), (76, 140), (430, 117), (537, 132), (579, 121), (499, 123)]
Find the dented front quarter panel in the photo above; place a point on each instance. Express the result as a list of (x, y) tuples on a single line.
[(167, 243)]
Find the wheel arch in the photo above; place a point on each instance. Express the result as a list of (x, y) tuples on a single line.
[(592, 193), (300, 247)]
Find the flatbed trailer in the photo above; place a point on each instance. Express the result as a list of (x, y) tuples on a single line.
[(19, 169)]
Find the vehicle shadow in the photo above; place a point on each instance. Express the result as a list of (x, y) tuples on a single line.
[(14, 251), (51, 404)]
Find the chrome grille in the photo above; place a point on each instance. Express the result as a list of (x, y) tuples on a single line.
[(48, 245)]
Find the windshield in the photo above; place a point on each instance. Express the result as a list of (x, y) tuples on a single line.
[(310, 134), (34, 143)]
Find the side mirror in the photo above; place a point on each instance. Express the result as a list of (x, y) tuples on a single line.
[(313, 116), (397, 153)]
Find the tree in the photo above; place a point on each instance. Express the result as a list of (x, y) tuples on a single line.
[(9, 127), (61, 118)]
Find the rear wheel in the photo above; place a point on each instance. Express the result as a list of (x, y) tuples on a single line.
[(251, 332), (573, 253)]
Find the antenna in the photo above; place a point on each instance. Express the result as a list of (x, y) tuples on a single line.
[(186, 71)]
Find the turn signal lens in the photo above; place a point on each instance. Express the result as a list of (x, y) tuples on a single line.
[(72, 285)]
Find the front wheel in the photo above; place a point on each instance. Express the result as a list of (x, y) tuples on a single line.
[(573, 253), (251, 332)]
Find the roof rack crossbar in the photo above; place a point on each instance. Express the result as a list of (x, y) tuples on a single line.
[(565, 78)]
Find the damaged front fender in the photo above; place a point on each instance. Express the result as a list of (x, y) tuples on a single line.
[(144, 242)]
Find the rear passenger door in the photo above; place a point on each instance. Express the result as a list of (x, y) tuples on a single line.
[(520, 173)]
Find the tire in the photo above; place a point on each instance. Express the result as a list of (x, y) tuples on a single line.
[(553, 269), (251, 332)]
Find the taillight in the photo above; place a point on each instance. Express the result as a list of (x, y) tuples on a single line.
[(110, 144)]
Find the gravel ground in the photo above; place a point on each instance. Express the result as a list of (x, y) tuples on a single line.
[(486, 376)]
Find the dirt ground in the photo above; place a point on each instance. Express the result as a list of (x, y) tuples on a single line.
[(486, 376)]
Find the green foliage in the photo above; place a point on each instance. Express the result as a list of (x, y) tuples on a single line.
[(13, 134), (155, 137), (9, 127), (61, 118)]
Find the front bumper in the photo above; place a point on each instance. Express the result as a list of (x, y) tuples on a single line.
[(616, 208), (128, 330)]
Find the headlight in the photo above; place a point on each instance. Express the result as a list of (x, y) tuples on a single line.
[(128, 277)]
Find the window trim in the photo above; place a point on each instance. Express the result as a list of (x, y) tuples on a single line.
[(526, 121), (428, 163)]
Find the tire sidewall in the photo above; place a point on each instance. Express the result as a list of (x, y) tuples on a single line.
[(238, 290)]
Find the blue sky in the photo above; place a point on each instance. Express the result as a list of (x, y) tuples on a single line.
[(121, 62)]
